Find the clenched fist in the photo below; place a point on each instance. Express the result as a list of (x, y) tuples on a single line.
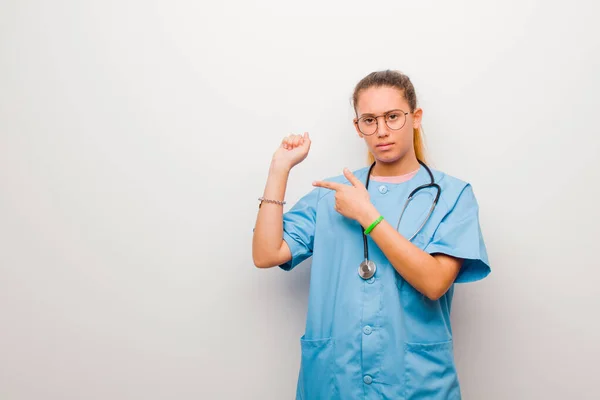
[(292, 151)]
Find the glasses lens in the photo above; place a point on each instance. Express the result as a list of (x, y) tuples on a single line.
[(367, 125), (395, 120)]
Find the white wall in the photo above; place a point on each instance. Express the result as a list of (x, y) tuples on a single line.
[(135, 138)]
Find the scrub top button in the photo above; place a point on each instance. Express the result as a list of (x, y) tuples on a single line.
[(371, 280), (367, 379), (367, 330), (383, 189)]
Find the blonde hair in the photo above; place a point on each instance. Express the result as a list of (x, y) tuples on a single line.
[(398, 80)]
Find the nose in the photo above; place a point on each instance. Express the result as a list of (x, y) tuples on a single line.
[(382, 128)]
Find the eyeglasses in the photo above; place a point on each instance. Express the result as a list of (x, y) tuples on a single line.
[(394, 119)]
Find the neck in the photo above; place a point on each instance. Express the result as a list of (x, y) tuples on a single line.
[(399, 167)]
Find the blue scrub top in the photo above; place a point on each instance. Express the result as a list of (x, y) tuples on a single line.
[(380, 338)]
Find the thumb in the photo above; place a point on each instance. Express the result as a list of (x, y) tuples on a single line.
[(306, 139)]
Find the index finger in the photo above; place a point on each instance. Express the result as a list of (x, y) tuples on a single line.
[(328, 185), (352, 178)]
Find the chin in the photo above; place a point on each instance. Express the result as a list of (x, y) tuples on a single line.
[(387, 158)]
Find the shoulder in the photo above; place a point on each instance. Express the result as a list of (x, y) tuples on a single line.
[(453, 188), (447, 181)]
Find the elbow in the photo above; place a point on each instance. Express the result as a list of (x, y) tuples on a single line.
[(258, 257), (268, 257), (258, 262), (435, 292), (261, 262), (433, 296)]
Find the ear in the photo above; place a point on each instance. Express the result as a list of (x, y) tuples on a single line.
[(417, 116), (355, 122)]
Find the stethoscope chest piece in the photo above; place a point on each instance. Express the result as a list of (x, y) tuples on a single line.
[(367, 269)]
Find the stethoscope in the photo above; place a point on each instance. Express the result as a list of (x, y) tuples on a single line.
[(368, 267)]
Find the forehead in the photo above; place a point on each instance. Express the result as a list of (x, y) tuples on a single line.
[(377, 100)]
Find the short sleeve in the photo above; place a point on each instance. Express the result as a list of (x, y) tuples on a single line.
[(459, 235), (299, 228)]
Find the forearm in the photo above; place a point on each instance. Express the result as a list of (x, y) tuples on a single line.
[(423, 271), (268, 231)]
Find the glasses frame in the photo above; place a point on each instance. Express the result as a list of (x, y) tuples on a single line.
[(376, 117)]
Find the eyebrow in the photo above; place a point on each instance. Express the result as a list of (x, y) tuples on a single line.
[(387, 112)]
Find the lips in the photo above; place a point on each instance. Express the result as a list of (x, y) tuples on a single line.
[(384, 145)]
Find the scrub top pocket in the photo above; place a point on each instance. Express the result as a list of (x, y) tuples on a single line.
[(316, 380), (430, 372)]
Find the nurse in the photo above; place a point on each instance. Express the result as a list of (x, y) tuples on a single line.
[(378, 329)]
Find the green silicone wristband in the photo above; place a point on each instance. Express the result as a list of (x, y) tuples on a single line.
[(373, 225)]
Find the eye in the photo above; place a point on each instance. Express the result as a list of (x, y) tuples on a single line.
[(368, 120), (393, 116)]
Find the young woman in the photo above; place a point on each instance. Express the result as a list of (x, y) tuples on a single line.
[(388, 242)]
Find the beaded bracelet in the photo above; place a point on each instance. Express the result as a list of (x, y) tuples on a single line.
[(262, 199)]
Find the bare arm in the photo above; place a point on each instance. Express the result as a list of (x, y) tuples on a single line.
[(431, 275), (268, 247)]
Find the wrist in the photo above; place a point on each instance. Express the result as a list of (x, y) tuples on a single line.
[(368, 216), (279, 167)]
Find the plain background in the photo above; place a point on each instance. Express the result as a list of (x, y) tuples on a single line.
[(135, 139)]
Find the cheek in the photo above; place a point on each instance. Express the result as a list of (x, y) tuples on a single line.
[(371, 140), (406, 135), (404, 140)]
